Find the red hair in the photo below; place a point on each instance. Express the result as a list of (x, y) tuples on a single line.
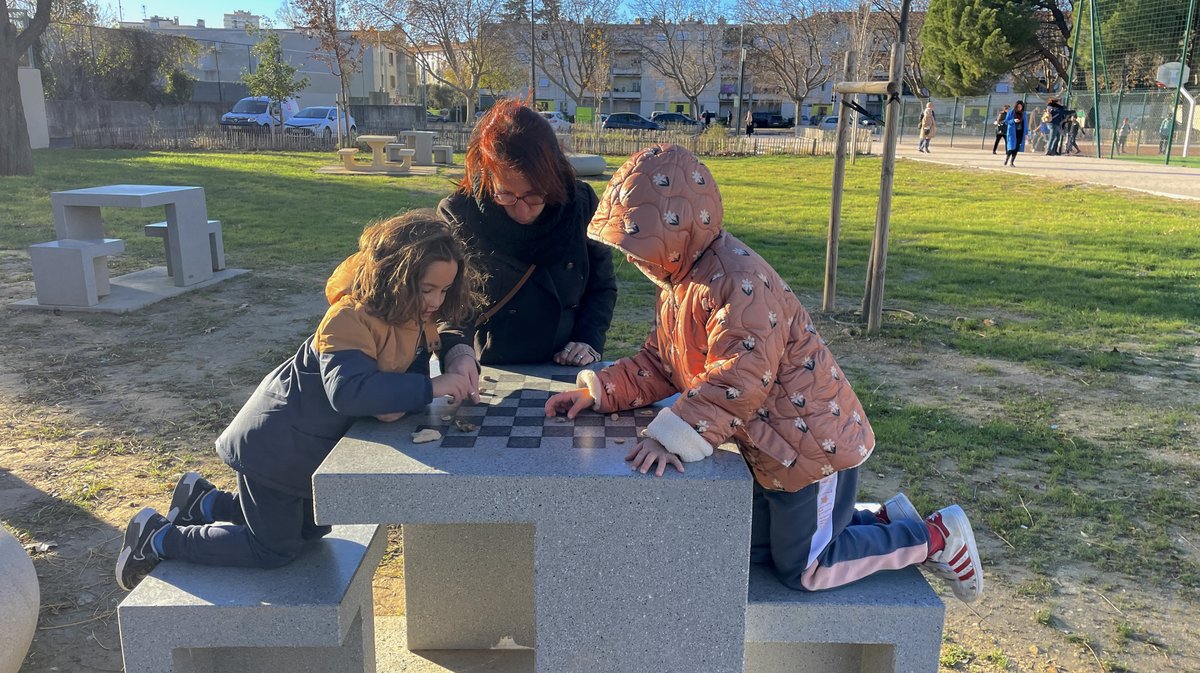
[(512, 138)]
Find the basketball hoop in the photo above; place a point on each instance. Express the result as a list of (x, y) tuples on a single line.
[(1168, 74)]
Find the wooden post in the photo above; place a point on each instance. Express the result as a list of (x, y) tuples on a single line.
[(829, 299), (878, 267)]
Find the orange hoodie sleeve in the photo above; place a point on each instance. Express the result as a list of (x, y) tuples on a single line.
[(630, 382)]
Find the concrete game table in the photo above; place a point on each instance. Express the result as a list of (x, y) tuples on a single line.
[(529, 532), (422, 143), (77, 216), (377, 143)]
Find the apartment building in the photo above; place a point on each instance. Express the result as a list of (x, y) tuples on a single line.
[(383, 76)]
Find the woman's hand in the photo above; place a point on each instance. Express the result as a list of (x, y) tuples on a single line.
[(390, 418), (571, 401), (647, 452), (576, 354)]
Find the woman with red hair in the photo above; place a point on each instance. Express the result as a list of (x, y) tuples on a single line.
[(550, 291)]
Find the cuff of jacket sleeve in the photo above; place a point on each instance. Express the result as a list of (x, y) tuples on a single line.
[(678, 437), (591, 381)]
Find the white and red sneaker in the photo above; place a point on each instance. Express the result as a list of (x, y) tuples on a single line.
[(958, 561)]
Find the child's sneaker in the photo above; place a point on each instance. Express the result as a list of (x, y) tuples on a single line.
[(958, 561), (896, 508), (185, 502), (137, 557)]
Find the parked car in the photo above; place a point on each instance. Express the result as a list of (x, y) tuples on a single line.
[(258, 112), (434, 116), (557, 121), (676, 119), (630, 120), (322, 120), (779, 122), (828, 123)]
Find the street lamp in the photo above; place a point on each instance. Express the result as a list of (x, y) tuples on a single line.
[(532, 58)]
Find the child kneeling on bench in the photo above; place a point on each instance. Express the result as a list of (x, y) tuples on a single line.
[(734, 340)]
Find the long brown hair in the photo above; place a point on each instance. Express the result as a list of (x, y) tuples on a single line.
[(512, 138), (395, 253)]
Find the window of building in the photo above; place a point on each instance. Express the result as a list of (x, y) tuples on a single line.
[(392, 81), (391, 58)]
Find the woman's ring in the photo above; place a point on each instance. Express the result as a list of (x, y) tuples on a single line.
[(579, 358)]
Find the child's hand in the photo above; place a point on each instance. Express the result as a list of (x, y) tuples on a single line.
[(455, 386), (390, 418), (572, 402), (648, 451)]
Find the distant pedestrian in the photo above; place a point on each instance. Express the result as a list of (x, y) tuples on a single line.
[(1164, 135), (1071, 128), (928, 128), (1057, 115), (749, 122), (1014, 133), (1001, 127), (1123, 135)]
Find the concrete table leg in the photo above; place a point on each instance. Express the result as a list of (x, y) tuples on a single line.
[(187, 226)]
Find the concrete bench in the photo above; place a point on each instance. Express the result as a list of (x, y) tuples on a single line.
[(443, 154), (890, 622), (397, 153), (315, 614), (587, 164), (346, 154), (72, 271), (216, 246)]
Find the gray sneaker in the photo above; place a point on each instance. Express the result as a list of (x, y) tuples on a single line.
[(137, 557), (896, 508), (185, 501)]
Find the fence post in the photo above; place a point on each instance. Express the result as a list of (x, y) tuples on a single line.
[(953, 114), (987, 115)]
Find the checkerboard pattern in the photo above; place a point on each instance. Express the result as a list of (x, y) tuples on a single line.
[(512, 415)]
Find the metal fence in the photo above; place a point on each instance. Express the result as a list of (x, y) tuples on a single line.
[(590, 141), (970, 122)]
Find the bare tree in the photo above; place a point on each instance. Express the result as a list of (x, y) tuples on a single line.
[(683, 42), (575, 49), (16, 156), (324, 20), (914, 77), (460, 43), (792, 43)]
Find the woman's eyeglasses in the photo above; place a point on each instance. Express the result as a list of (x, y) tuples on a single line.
[(510, 199)]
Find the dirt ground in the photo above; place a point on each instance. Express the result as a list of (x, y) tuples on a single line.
[(101, 414)]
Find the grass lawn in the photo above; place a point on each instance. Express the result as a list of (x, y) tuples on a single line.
[(1091, 280), (1069, 314)]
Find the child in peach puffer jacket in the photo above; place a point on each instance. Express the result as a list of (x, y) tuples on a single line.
[(736, 342)]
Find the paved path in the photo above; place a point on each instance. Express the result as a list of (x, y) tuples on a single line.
[(1175, 182)]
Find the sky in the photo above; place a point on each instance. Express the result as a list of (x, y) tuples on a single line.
[(188, 11)]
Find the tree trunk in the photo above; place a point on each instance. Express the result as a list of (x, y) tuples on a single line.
[(16, 158)]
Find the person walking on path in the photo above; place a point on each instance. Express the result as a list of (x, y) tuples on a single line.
[(749, 122), (1001, 127), (1164, 135), (928, 127), (1071, 128), (1014, 133)]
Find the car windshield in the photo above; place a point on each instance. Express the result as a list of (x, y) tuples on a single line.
[(247, 106), (313, 113)]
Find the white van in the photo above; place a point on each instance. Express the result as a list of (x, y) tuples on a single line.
[(256, 112)]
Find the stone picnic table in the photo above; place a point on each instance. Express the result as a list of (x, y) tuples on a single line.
[(377, 143), (522, 531)]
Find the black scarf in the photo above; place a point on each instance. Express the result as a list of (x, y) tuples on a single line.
[(547, 239)]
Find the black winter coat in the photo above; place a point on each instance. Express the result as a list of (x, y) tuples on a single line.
[(570, 298)]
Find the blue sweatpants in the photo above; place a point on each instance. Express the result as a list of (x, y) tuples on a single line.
[(816, 539), (266, 528)]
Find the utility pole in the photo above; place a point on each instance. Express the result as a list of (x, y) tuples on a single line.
[(532, 58), (737, 116)]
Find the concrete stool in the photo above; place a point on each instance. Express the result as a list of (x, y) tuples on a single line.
[(443, 154), (587, 164), (314, 614), (397, 153), (216, 246), (346, 154), (72, 272), (890, 622)]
